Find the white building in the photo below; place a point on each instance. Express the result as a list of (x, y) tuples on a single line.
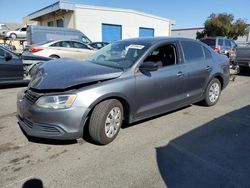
[(191, 33), (101, 23)]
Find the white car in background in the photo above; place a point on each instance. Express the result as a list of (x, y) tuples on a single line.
[(62, 49), (18, 33)]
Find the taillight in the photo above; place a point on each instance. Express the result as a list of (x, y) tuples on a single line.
[(33, 50), (217, 49)]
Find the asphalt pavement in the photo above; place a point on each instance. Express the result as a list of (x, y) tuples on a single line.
[(195, 146)]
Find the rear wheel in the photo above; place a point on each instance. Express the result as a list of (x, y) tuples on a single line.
[(13, 36), (212, 92), (105, 121)]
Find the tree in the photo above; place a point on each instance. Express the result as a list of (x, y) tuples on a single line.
[(223, 25)]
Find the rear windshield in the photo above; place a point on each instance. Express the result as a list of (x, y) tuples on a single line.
[(209, 42)]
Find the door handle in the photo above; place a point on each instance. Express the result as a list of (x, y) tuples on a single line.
[(208, 68), (180, 74)]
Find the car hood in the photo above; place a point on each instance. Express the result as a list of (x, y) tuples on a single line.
[(65, 74)]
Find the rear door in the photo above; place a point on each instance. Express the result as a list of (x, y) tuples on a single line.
[(197, 67), (11, 69)]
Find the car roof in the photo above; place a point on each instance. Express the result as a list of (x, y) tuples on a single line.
[(155, 40)]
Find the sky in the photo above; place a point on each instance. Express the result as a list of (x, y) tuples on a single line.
[(186, 14)]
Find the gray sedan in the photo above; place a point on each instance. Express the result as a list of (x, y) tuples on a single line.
[(126, 81)]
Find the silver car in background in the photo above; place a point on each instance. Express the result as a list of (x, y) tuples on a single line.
[(62, 49), (18, 33), (127, 80)]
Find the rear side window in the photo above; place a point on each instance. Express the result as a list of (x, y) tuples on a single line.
[(192, 51), (207, 53), (64, 44)]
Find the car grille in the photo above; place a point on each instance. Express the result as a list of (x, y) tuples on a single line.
[(31, 96), (41, 128), (28, 123)]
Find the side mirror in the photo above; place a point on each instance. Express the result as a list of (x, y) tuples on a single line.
[(148, 66), (7, 56)]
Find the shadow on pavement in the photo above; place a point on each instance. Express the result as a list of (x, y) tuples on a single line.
[(33, 183), (10, 86), (217, 154)]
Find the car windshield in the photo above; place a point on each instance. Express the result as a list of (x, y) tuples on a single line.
[(121, 54)]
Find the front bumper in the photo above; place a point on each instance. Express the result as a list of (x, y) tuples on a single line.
[(63, 124)]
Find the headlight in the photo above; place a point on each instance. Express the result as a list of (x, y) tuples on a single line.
[(56, 102)]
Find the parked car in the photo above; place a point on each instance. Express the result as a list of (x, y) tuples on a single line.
[(128, 80), (3, 29), (221, 45), (62, 49), (14, 68), (243, 57), (8, 46), (18, 33), (98, 45), (40, 34)]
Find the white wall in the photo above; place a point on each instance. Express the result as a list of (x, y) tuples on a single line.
[(189, 33), (67, 19), (89, 21)]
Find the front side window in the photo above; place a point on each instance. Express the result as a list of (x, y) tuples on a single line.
[(2, 52), (79, 45), (227, 43), (23, 29), (163, 56), (192, 51), (220, 42), (120, 54)]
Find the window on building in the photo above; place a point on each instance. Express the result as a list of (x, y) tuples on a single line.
[(51, 24), (111, 32), (146, 32), (192, 51), (59, 23)]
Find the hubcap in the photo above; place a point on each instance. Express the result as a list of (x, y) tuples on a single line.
[(113, 122), (214, 92)]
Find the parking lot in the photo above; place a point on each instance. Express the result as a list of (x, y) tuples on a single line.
[(192, 147)]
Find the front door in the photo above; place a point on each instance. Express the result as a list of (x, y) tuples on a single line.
[(162, 90), (11, 69)]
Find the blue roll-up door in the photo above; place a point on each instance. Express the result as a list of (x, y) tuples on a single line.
[(146, 32), (111, 33)]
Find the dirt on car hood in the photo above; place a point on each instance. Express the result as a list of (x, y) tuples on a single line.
[(65, 74)]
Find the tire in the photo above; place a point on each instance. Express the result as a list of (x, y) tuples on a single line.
[(213, 91), (54, 56), (103, 128), (13, 36)]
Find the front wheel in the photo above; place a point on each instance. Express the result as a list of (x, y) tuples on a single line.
[(105, 121), (213, 91)]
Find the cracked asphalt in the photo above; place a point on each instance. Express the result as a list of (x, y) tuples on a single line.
[(195, 146)]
